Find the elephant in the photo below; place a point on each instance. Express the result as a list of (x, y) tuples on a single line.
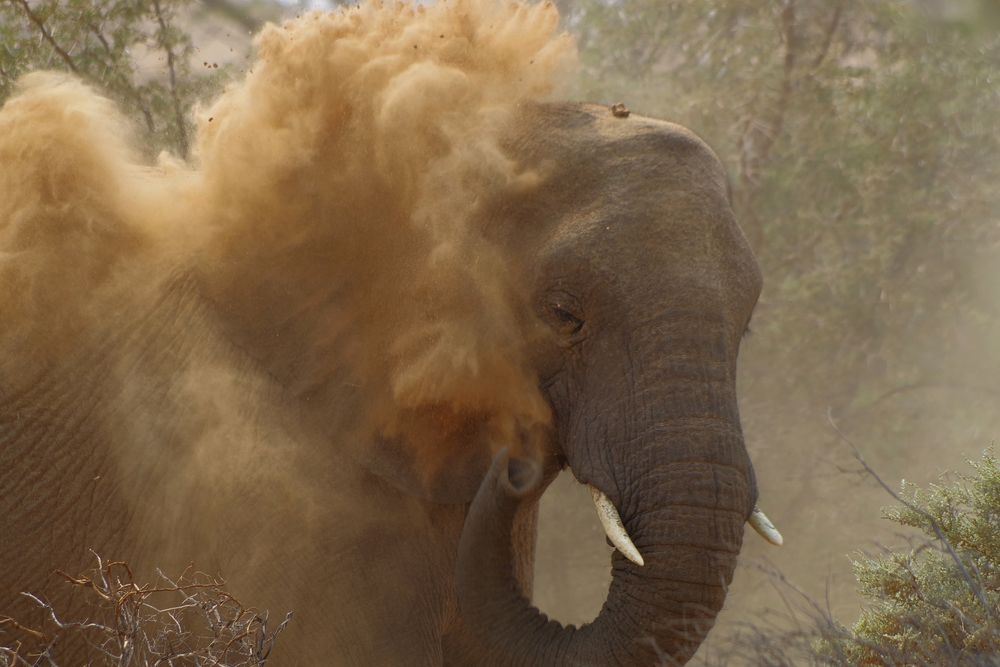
[(191, 419)]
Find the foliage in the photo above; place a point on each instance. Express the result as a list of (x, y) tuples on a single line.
[(862, 140), (187, 621), (932, 603), (937, 603), (135, 50)]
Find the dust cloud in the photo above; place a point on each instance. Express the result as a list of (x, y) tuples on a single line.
[(321, 264), (329, 209)]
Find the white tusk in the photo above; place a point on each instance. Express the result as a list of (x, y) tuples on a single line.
[(765, 528), (613, 526)]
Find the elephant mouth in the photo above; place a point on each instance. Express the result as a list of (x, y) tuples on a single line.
[(617, 534)]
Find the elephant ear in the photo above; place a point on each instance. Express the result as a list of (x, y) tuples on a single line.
[(434, 453)]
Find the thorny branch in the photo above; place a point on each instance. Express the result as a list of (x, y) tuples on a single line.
[(129, 626)]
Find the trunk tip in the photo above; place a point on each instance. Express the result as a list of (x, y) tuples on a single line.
[(522, 475)]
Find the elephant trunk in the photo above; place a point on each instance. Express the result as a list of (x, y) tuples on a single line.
[(685, 514)]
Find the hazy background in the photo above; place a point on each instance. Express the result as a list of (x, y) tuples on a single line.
[(862, 140)]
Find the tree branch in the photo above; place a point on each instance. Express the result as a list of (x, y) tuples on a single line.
[(46, 35), (127, 86), (828, 36), (767, 130), (164, 39)]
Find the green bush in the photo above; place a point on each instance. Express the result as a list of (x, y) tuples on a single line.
[(938, 602)]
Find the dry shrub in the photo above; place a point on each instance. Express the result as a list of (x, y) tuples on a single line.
[(189, 620)]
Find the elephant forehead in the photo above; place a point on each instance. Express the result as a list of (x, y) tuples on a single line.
[(637, 199), (587, 143), (600, 170)]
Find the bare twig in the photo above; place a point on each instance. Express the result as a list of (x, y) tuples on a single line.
[(927, 384), (7, 620), (207, 628)]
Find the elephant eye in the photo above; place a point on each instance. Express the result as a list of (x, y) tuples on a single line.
[(567, 322)]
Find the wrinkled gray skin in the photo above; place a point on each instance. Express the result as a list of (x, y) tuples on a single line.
[(647, 283), (639, 247)]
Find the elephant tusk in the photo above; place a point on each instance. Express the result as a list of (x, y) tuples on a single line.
[(765, 528), (613, 526)]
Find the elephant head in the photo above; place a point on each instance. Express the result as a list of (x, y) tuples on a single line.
[(647, 285), (625, 263)]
